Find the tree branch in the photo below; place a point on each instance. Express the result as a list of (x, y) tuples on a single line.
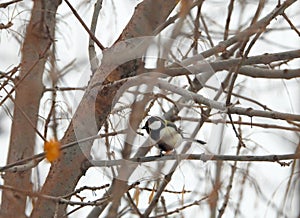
[(243, 35), (4, 5), (200, 157), (245, 70)]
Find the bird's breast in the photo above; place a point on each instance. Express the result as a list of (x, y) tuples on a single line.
[(170, 136)]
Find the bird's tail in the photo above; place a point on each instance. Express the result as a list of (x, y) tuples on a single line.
[(194, 140)]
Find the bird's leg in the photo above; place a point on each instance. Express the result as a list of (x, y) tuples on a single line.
[(161, 153)]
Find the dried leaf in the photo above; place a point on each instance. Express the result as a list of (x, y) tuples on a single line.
[(136, 195), (52, 149), (152, 194)]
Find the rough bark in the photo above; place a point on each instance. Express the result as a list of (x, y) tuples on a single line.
[(29, 90)]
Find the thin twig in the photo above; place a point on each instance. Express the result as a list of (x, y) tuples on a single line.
[(230, 10), (85, 26), (242, 35), (181, 208), (13, 167), (291, 24), (4, 5), (59, 200), (94, 62), (26, 116), (30, 68)]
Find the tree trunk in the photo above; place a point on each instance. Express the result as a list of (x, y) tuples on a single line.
[(29, 90)]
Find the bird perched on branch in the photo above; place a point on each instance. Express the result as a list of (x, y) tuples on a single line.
[(166, 134)]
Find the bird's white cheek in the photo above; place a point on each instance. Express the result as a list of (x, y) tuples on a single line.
[(155, 125)]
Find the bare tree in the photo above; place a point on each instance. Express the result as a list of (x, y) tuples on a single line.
[(229, 69)]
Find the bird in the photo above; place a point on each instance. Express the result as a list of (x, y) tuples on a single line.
[(166, 134)]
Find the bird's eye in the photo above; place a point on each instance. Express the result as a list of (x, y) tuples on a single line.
[(155, 125)]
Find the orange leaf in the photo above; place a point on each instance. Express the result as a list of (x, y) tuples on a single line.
[(52, 150)]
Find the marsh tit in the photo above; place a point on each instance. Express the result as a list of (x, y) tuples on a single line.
[(166, 134)]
